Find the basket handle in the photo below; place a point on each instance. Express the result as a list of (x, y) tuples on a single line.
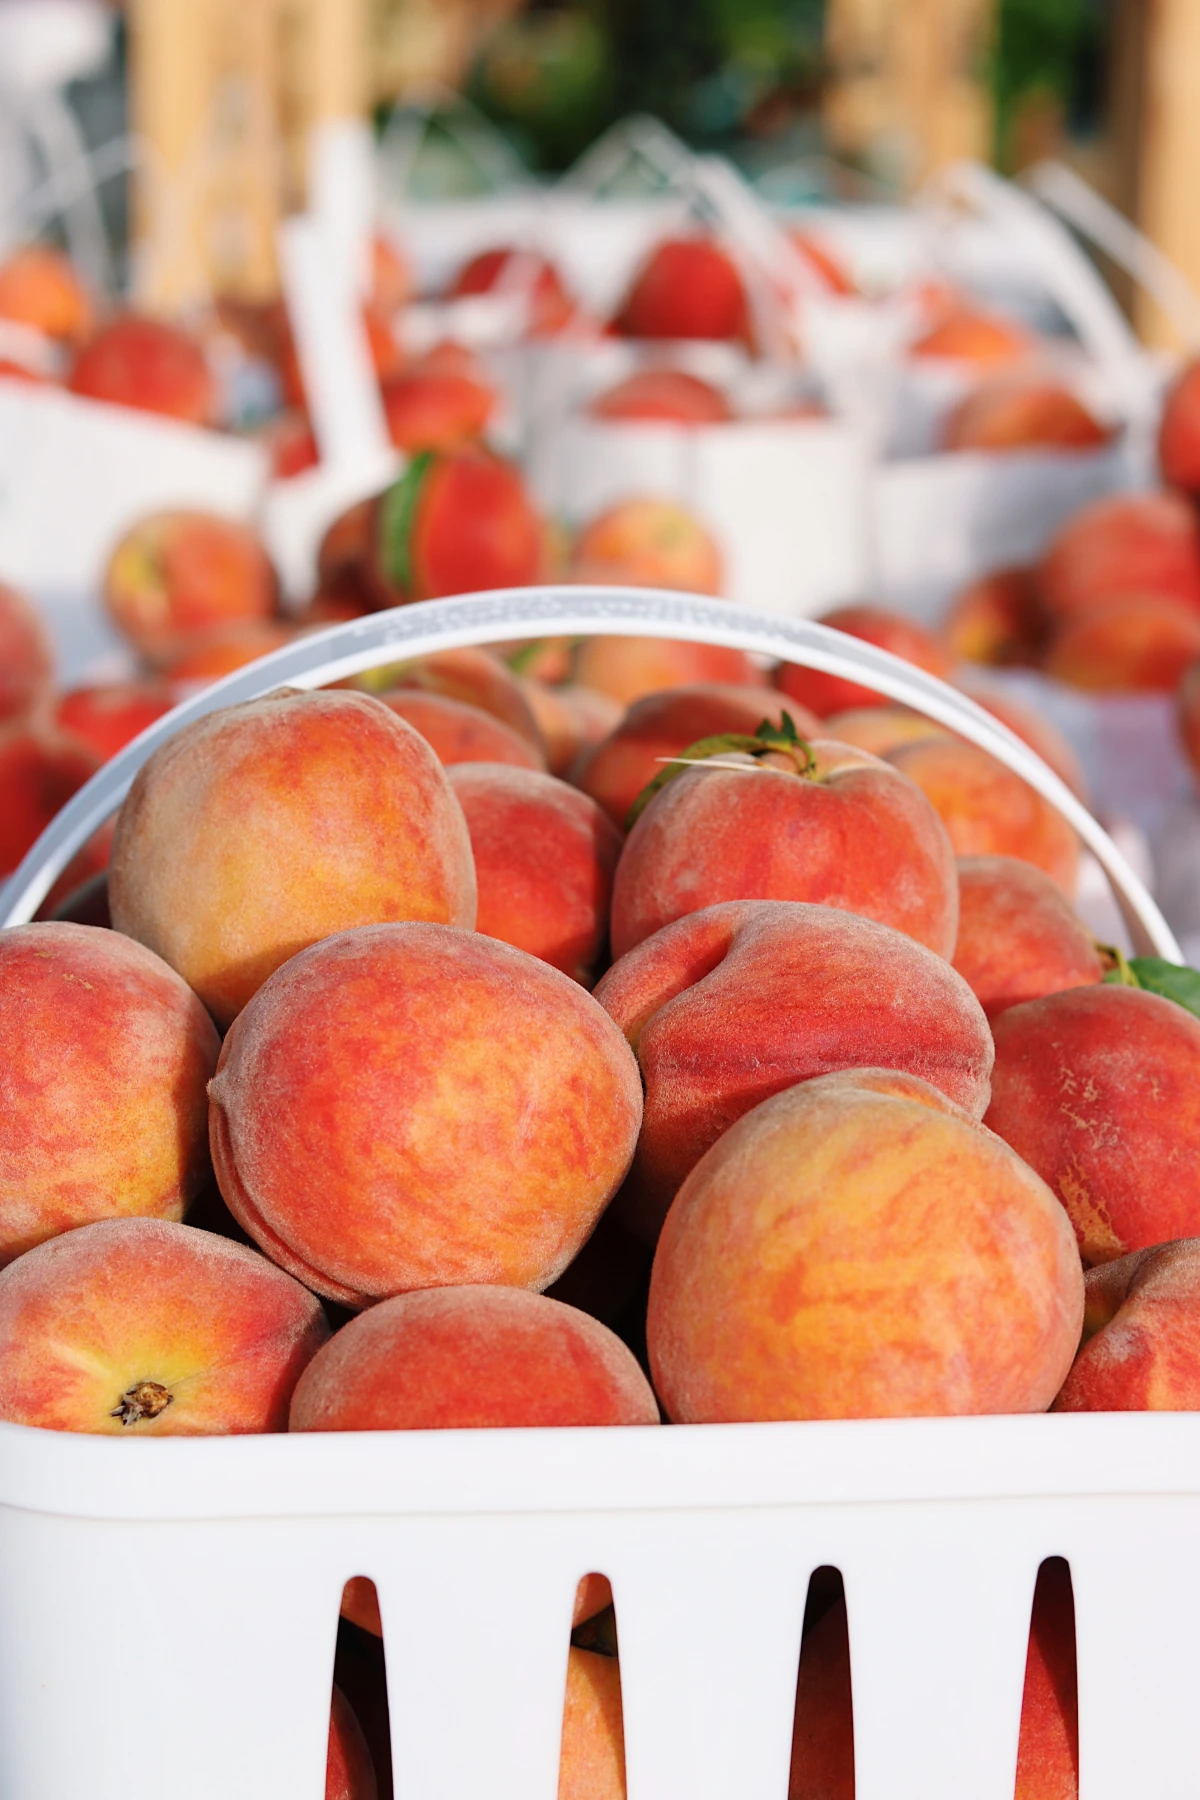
[(488, 618)]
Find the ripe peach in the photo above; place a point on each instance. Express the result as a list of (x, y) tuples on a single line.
[(1121, 547), (1031, 727), (470, 1357), (265, 826), (629, 668), (471, 676), (80, 894), (664, 396), (149, 365), (512, 271), (1098, 1088), (571, 719), (1141, 1326), (462, 734), (105, 1057), (207, 659), (454, 522), (662, 725), (998, 620), (111, 714), (825, 694), (26, 655), (345, 543), (974, 337), (428, 411), (392, 281), (40, 287), (1018, 939), (729, 1005), (408, 1106), (818, 822), (687, 288), (177, 576), (349, 1771), (1022, 415), (987, 810), (143, 1325), (290, 443), (853, 1250), (648, 543), (544, 861), (592, 1761), (879, 729), (39, 771), (1179, 432), (1141, 645)]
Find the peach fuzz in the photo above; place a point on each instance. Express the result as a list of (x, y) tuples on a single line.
[(544, 861), (1120, 547), (109, 715), (176, 576), (729, 1005), (265, 826), (860, 1251), (466, 1358), (686, 288), (825, 694), (425, 410), (151, 1327), (987, 809), (648, 543), (1018, 938), (41, 288), (40, 769), (144, 363), (1022, 415), (819, 822), (629, 668), (998, 620), (349, 1771), (592, 1758), (455, 522), (663, 396), (1139, 645), (26, 656), (462, 734), (105, 1057), (1179, 432), (1098, 1088), (666, 723), (410, 1106), (469, 675), (1141, 1333), (572, 720)]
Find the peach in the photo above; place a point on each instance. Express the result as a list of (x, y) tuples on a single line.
[(1141, 645), (1124, 546), (648, 543), (360, 1670), (729, 1005), (207, 659), (1022, 415), (392, 281), (665, 396), (571, 719), (662, 725), (471, 676), (816, 821), (26, 656), (853, 1250), (1018, 939), (80, 894), (987, 809), (428, 411), (544, 861), (880, 729), (825, 694), (1141, 1325), (628, 668), (974, 337), (290, 443), (1098, 1088), (149, 365), (349, 1771), (592, 1761), (111, 714), (454, 522), (1048, 1749), (1031, 727), (41, 288), (176, 576), (383, 348), (512, 271), (462, 734), (410, 1106), (263, 827), (345, 543), (147, 1326), (998, 620), (1179, 432), (608, 1280), (39, 771), (1189, 715), (470, 1357), (687, 288), (105, 1057)]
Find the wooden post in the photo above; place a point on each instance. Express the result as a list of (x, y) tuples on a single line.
[(1170, 145), (170, 85)]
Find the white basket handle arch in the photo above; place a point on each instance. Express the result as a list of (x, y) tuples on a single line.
[(488, 618)]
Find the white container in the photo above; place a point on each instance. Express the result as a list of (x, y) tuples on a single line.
[(168, 1609)]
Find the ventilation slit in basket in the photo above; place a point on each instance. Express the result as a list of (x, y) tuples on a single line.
[(1048, 1757), (360, 1672), (823, 1733), (592, 1760)]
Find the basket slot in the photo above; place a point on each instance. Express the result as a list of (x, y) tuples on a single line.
[(939, 1630)]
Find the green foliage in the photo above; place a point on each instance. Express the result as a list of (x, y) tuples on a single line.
[(398, 506), (1173, 981), (1041, 48)]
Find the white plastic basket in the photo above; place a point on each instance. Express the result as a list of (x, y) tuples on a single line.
[(168, 1610)]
